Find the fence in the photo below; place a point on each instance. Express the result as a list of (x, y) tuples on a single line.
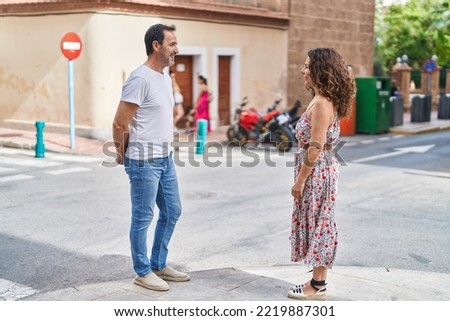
[(416, 77)]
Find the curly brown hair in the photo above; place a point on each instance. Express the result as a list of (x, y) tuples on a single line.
[(332, 77)]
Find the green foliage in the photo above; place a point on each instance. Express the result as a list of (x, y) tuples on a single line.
[(419, 29)]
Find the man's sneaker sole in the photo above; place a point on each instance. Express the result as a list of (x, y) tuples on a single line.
[(173, 279), (151, 287)]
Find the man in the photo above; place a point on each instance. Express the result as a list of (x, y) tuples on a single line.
[(143, 133)]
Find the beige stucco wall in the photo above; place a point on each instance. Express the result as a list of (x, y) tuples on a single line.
[(261, 55), (34, 77)]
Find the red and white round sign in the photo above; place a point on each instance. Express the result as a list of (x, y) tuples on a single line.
[(71, 45)]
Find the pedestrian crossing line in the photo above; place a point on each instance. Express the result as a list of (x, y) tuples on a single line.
[(75, 159), (5, 169), (368, 141), (68, 170), (427, 173), (18, 177), (11, 291), (28, 162)]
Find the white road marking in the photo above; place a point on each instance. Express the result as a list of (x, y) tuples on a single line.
[(75, 159), (28, 162), (368, 141), (11, 291), (15, 178), (427, 173), (399, 151), (68, 170)]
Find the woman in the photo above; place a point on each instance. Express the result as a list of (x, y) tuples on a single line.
[(178, 111), (314, 233), (202, 103)]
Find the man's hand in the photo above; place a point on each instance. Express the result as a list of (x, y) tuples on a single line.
[(119, 158)]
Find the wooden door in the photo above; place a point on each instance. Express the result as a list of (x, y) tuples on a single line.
[(224, 90)]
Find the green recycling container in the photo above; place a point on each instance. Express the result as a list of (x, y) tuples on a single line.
[(373, 105)]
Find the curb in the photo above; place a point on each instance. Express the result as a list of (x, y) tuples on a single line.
[(394, 130)]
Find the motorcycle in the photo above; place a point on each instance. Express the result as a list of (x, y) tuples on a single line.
[(293, 117), (293, 112), (272, 127)]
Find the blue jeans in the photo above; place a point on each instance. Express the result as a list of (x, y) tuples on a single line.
[(152, 181)]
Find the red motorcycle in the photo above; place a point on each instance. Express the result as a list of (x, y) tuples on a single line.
[(251, 125)]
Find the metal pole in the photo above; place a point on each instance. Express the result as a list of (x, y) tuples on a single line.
[(71, 106), (202, 132)]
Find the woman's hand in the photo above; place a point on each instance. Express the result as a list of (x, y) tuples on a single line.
[(298, 189)]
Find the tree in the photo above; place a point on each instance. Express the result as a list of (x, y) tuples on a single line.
[(419, 29)]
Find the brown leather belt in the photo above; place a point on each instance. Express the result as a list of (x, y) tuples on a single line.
[(325, 147)]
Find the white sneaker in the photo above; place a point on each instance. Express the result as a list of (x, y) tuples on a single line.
[(152, 282), (170, 274)]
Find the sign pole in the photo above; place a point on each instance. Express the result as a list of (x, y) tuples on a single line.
[(429, 66), (71, 105), (71, 48)]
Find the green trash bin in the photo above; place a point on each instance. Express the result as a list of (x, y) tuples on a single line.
[(373, 105)]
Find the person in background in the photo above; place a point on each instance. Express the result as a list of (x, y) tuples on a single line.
[(143, 133), (394, 88), (201, 110), (314, 232), (178, 110)]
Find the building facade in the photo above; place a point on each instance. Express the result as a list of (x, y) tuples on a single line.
[(252, 48)]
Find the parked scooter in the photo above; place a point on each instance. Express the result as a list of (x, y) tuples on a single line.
[(293, 112), (293, 117), (272, 127)]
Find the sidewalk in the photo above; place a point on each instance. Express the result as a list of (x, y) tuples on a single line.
[(270, 284), (60, 143), (409, 128)]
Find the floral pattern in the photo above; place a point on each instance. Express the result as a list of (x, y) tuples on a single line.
[(314, 233)]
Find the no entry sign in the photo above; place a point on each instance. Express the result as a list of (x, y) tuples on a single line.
[(71, 45)]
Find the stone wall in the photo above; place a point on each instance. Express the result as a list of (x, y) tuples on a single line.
[(346, 25)]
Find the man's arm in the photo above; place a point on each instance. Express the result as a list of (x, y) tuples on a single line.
[(124, 114)]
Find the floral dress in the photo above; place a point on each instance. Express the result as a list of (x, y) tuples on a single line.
[(314, 233)]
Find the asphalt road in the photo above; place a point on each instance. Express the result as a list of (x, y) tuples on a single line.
[(64, 219)]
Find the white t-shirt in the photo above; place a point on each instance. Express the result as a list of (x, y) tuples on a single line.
[(151, 128)]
